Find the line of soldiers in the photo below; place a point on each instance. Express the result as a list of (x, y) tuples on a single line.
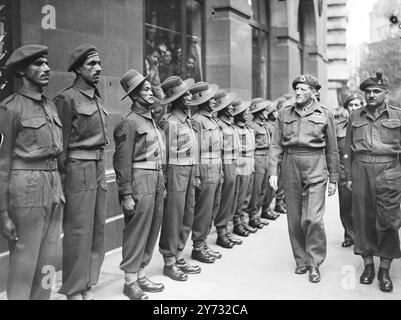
[(185, 173)]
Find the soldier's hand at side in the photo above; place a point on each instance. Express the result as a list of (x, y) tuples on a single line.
[(348, 184), (164, 192), (8, 227), (332, 189), (128, 204), (198, 184), (273, 182)]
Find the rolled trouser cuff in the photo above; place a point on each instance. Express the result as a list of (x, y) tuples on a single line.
[(385, 263), (368, 260)]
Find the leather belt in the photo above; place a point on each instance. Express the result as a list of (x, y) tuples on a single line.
[(210, 161), (304, 151), (96, 154), (182, 162), (374, 158), (149, 165), (38, 164)]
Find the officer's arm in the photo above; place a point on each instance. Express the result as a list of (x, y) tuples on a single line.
[(348, 150), (163, 125), (276, 149), (64, 111), (332, 159), (124, 138)]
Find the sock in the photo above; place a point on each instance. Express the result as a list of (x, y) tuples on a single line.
[(130, 277), (141, 273), (368, 260), (168, 261), (385, 263), (180, 255), (221, 231)]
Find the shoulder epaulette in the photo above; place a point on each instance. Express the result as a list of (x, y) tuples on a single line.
[(9, 98)]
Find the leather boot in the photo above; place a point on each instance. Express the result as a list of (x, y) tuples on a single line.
[(247, 227), (240, 230), (385, 283), (368, 274), (224, 241)]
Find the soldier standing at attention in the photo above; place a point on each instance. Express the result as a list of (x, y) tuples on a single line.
[(229, 154), (373, 172), (304, 142), (182, 174), (83, 173), (140, 153), (31, 196), (351, 103)]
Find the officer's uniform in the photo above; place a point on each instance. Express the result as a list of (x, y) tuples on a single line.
[(373, 145), (230, 153), (31, 187), (140, 152), (182, 169), (83, 171), (210, 167), (245, 166), (305, 143)]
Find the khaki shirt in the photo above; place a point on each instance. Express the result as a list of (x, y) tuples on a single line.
[(210, 138), (312, 128), (137, 139), (262, 137), (372, 134), (246, 160), (231, 143), (83, 117)]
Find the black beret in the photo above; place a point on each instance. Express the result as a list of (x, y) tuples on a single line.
[(25, 54), (79, 55), (376, 81), (351, 97), (306, 79)]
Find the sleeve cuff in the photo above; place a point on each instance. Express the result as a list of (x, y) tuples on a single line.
[(125, 189), (334, 178)]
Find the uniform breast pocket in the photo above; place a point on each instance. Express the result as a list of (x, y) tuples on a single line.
[(315, 126), (390, 132), (35, 132), (289, 128), (359, 130), (88, 119), (183, 137)]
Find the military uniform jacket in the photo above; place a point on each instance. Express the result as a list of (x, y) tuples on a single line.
[(138, 140), (341, 130), (83, 117), (32, 131), (210, 138), (313, 128), (372, 134), (181, 139), (231, 143), (262, 137), (246, 160)]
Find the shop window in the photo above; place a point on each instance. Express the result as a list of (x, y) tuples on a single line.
[(174, 39), (260, 23)]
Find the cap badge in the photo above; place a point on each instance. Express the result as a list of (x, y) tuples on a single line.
[(302, 79)]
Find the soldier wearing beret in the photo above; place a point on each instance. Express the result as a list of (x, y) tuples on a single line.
[(140, 153), (230, 153), (373, 172), (207, 198), (351, 103), (245, 166), (82, 167), (305, 144), (31, 196), (182, 174)]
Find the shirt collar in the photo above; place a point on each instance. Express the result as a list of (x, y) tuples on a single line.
[(142, 110), (203, 112), (180, 115), (311, 108), (226, 119), (382, 109), (259, 121), (85, 89), (37, 96), (240, 124)]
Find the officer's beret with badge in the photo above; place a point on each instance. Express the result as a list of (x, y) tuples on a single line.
[(25, 54), (306, 79), (376, 81), (351, 97)]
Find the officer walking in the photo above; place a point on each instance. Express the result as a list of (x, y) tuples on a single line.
[(31, 196), (351, 103), (182, 174), (207, 198), (140, 153), (305, 144), (230, 153), (372, 170), (82, 167)]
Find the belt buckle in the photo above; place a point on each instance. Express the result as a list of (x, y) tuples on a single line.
[(373, 159), (50, 163), (158, 166)]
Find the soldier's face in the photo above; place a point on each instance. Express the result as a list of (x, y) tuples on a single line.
[(145, 94), (303, 93), (186, 99), (230, 109), (375, 96), (354, 105), (90, 70), (38, 72)]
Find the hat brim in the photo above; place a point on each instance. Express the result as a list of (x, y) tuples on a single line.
[(188, 85), (210, 94), (135, 86), (229, 100), (272, 107), (262, 106), (245, 105)]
